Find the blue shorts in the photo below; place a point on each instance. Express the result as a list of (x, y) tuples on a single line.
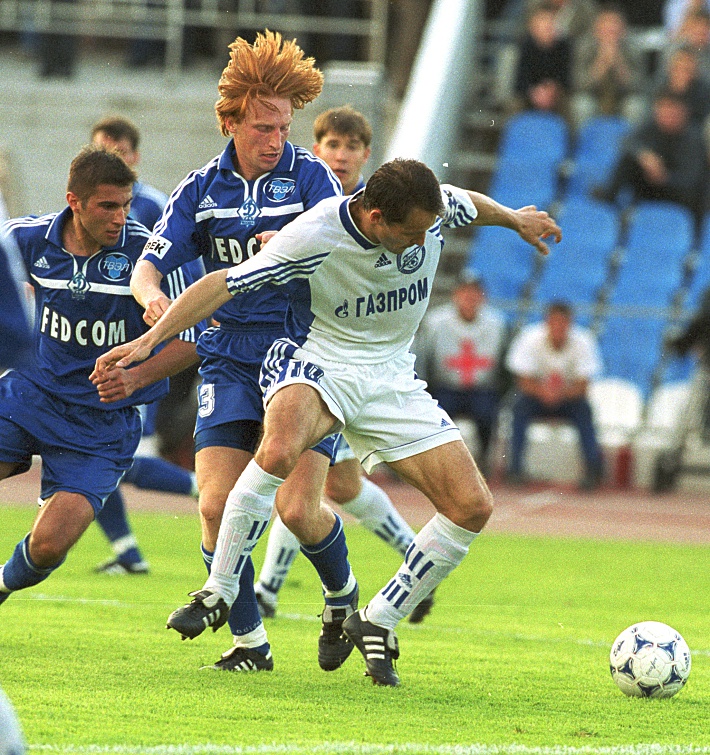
[(229, 396), (83, 450)]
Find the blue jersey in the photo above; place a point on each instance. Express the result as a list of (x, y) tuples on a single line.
[(83, 307), (216, 214), (15, 333), (147, 204)]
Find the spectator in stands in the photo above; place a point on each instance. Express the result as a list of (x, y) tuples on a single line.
[(677, 12), (459, 350), (608, 69), (543, 74), (663, 158), (694, 34), (573, 18), (553, 362), (682, 76)]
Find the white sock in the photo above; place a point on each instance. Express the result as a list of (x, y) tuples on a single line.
[(434, 553), (253, 639), (373, 508), (246, 515), (123, 544), (282, 548)]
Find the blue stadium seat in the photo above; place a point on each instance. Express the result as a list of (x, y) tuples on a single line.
[(519, 184), (504, 261), (631, 348), (596, 152), (577, 267), (534, 137), (661, 235)]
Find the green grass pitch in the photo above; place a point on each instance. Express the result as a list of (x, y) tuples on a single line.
[(513, 659)]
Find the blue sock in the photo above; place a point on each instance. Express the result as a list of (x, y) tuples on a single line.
[(244, 615), (330, 559), (150, 473), (20, 571), (113, 520)]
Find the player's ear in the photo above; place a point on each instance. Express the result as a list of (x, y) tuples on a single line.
[(73, 201), (316, 149)]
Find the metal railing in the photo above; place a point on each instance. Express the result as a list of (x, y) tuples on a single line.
[(166, 20)]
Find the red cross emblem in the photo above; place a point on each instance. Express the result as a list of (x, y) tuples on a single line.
[(467, 363)]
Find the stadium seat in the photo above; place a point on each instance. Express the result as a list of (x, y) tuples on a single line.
[(534, 137), (517, 184), (595, 153), (631, 349), (576, 269), (660, 237), (504, 261), (618, 409)]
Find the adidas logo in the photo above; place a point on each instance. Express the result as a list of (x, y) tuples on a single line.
[(383, 261), (444, 423), (207, 203), (42, 263)]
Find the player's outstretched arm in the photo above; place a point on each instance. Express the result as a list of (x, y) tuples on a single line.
[(531, 224), (195, 303)]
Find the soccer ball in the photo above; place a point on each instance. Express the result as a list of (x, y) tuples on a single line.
[(11, 740), (650, 659)]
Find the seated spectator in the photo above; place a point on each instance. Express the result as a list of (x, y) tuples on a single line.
[(553, 362), (608, 70), (695, 34), (459, 348), (573, 18), (663, 158), (542, 78), (677, 12), (683, 77)]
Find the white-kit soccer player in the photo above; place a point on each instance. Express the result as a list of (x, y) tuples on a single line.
[(79, 262), (149, 471), (217, 213), (342, 139), (359, 273)]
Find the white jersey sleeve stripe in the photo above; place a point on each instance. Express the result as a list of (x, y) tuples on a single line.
[(103, 288), (276, 274)]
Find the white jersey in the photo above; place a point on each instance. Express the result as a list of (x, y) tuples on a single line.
[(531, 355), (350, 300)]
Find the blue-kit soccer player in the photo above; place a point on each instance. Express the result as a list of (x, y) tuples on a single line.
[(149, 471), (259, 183), (79, 262)]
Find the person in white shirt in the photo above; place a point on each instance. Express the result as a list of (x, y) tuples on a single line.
[(553, 362), (358, 271), (459, 349)]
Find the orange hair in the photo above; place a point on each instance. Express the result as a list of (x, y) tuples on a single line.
[(271, 67)]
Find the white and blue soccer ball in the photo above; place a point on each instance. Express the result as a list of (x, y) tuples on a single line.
[(650, 659), (11, 740)]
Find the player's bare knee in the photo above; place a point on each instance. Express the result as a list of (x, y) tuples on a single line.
[(211, 509), (278, 456), (342, 491), (473, 510)]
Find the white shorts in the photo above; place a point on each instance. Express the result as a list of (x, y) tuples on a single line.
[(384, 410)]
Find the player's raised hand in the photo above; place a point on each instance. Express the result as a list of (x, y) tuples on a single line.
[(536, 225)]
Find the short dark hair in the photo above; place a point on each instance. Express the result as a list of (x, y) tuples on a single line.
[(560, 307), (116, 127), (401, 185), (345, 121), (94, 167)]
